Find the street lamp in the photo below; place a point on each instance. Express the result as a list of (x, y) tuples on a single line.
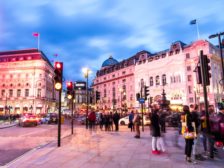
[(220, 48), (86, 72)]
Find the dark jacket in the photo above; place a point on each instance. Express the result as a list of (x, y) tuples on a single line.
[(155, 127)]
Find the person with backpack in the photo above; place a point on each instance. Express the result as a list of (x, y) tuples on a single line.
[(92, 120)]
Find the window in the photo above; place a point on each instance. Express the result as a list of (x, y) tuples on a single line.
[(189, 78), (177, 51), (18, 92), (187, 56), (164, 79), (104, 78), (188, 68), (105, 93), (10, 93), (189, 89), (3, 93), (151, 81), (113, 76), (157, 80), (38, 92), (191, 100), (26, 92), (123, 72), (124, 80)]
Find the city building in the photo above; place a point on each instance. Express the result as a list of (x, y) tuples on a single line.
[(26, 82), (171, 72), (115, 82)]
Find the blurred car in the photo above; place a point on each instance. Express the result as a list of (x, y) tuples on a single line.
[(125, 120), (28, 120), (173, 120), (51, 118), (81, 119)]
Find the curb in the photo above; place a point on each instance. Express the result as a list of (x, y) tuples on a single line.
[(7, 126), (33, 150)]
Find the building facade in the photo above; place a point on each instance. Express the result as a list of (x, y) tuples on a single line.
[(170, 71), (26, 82), (115, 82)]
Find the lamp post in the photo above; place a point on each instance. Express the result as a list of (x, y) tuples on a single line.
[(86, 72), (220, 48)]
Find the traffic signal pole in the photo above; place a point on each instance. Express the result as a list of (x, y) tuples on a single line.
[(142, 111), (59, 120), (72, 124), (203, 73)]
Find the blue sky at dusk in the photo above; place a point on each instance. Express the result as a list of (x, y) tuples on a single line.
[(86, 32)]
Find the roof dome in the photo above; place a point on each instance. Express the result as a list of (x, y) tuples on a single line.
[(110, 61)]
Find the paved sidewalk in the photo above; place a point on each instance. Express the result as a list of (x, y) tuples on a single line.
[(101, 149), (7, 124)]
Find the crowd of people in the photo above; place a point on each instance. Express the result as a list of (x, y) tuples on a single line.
[(202, 136)]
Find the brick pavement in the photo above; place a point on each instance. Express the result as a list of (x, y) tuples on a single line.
[(101, 149)]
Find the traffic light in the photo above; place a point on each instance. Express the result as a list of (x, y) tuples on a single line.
[(58, 70), (207, 69), (138, 96), (146, 90), (198, 74), (97, 96), (69, 90)]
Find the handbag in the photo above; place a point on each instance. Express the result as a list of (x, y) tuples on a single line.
[(185, 132)]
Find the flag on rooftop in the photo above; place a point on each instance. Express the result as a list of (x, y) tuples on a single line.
[(192, 22), (36, 34)]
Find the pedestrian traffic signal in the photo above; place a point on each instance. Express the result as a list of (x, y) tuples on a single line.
[(207, 69), (138, 96), (97, 96), (198, 74), (146, 91), (58, 70), (69, 90)]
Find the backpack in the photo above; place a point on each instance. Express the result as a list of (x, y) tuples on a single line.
[(92, 117)]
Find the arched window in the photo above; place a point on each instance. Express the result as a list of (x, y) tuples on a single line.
[(151, 81), (157, 80), (164, 79)]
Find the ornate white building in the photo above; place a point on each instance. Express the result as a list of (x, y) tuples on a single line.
[(173, 71), (26, 82)]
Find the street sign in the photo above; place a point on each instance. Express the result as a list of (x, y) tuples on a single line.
[(141, 100)]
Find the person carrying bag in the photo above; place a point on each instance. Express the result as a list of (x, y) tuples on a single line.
[(188, 131)]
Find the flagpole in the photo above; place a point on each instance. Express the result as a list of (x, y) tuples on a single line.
[(197, 30), (38, 41)]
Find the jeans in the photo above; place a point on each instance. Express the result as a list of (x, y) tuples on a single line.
[(188, 146)]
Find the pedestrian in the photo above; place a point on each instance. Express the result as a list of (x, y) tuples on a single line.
[(188, 131), (137, 123), (196, 119), (102, 120), (157, 141), (92, 120), (216, 134), (110, 121), (116, 118), (131, 118)]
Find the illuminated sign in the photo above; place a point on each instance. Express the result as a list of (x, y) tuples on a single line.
[(80, 86)]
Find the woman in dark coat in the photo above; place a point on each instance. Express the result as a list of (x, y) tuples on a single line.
[(189, 125), (155, 129)]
